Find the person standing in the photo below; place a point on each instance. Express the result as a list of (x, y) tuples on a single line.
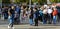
[(49, 15), (5, 12), (55, 12), (31, 16), (18, 10), (45, 15), (36, 14)]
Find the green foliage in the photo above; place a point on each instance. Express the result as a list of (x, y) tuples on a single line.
[(34, 1), (56, 1), (27, 1), (0, 1), (42, 1), (6, 1), (18, 1)]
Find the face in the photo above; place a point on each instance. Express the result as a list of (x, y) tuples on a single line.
[(34, 9), (12, 7), (21, 7)]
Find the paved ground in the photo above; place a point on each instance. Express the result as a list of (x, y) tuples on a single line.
[(30, 27), (4, 25)]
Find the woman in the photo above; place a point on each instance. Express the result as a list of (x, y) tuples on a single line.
[(55, 12), (31, 17)]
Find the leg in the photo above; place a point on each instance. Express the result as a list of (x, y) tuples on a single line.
[(36, 22), (54, 19), (44, 19), (31, 21)]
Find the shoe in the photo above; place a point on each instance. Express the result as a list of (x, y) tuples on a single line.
[(9, 27), (13, 27), (36, 25)]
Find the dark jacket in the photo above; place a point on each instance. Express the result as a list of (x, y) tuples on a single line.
[(37, 13)]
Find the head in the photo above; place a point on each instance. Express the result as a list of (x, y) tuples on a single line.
[(34, 9), (12, 7)]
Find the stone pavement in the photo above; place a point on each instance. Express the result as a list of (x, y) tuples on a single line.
[(27, 26)]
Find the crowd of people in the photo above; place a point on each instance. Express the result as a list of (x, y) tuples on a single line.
[(45, 13)]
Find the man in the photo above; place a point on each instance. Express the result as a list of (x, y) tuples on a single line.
[(49, 15), (11, 17), (17, 9), (5, 12), (36, 16)]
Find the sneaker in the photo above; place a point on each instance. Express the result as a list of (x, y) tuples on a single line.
[(8, 26), (13, 27)]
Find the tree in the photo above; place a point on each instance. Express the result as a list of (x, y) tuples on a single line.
[(0, 1), (34, 1), (22, 1), (6, 1), (56, 1), (43, 2)]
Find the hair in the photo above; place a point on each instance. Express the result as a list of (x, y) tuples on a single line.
[(36, 8)]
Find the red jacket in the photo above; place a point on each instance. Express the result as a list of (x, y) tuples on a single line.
[(55, 12)]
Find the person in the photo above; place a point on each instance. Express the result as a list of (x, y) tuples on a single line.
[(11, 17), (16, 16), (58, 9), (24, 15), (49, 11), (45, 15), (31, 17), (5, 12), (0, 12), (18, 10), (36, 14), (41, 14), (55, 12)]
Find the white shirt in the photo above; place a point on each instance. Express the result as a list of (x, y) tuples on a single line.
[(45, 11), (49, 11)]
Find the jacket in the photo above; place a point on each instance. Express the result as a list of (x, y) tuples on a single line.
[(55, 12)]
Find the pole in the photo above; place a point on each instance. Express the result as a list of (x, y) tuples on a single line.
[(13, 1), (29, 3), (48, 2)]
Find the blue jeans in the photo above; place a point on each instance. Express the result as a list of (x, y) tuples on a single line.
[(49, 19), (11, 20), (5, 16), (31, 21), (44, 19), (54, 19)]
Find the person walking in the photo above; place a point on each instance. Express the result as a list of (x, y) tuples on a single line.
[(11, 17)]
